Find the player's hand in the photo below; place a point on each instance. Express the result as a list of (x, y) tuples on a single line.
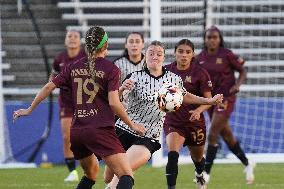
[(128, 84), (217, 99), (20, 112), (195, 115), (139, 129), (234, 89)]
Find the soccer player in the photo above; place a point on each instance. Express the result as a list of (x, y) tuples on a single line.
[(142, 108), (72, 53), (132, 57), (186, 127), (221, 64), (94, 82)]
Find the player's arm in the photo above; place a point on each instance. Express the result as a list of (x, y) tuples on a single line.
[(238, 64), (195, 114), (55, 68), (127, 84), (52, 76), (41, 95), (119, 110), (189, 98), (241, 79)]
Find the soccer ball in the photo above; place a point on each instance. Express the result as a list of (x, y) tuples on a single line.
[(169, 97)]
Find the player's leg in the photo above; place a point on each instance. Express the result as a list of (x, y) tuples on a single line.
[(90, 166), (68, 154), (108, 175), (137, 155), (195, 141), (217, 123), (196, 153), (118, 163), (234, 146), (174, 143)]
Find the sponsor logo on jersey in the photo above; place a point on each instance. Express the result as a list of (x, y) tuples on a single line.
[(202, 62), (61, 64), (219, 61), (187, 79)]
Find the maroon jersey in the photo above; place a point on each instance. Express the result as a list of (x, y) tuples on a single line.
[(221, 67), (89, 97), (60, 61), (196, 80)]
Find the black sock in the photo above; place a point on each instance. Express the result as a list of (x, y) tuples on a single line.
[(85, 183), (71, 164), (199, 166), (172, 169), (210, 156), (125, 182), (237, 150)]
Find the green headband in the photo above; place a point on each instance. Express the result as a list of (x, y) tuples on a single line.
[(103, 41)]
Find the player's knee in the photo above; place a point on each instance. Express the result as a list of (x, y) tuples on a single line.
[(92, 172), (212, 138)]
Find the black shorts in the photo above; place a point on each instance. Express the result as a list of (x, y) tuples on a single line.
[(127, 140)]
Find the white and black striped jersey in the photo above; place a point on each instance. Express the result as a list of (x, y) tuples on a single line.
[(126, 66), (142, 107)]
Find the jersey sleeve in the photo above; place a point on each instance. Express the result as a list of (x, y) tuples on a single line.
[(55, 65), (114, 79), (63, 79), (235, 61), (205, 82)]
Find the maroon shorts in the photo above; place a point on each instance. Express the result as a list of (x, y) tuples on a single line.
[(102, 142), (66, 112), (226, 108), (194, 135)]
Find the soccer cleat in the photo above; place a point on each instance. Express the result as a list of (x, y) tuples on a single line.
[(249, 171), (72, 177), (200, 181), (206, 177)]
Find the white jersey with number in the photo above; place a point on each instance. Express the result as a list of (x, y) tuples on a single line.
[(142, 107)]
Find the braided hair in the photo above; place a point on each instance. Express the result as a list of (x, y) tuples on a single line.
[(96, 40)]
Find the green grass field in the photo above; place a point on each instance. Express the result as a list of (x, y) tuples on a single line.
[(268, 176)]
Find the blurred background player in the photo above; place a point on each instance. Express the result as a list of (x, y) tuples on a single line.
[(221, 64), (73, 53), (142, 108), (94, 82), (186, 127), (132, 57)]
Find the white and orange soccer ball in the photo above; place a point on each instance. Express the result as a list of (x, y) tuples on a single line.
[(169, 97)]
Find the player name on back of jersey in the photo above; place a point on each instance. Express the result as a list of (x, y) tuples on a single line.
[(82, 71), (86, 113)]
